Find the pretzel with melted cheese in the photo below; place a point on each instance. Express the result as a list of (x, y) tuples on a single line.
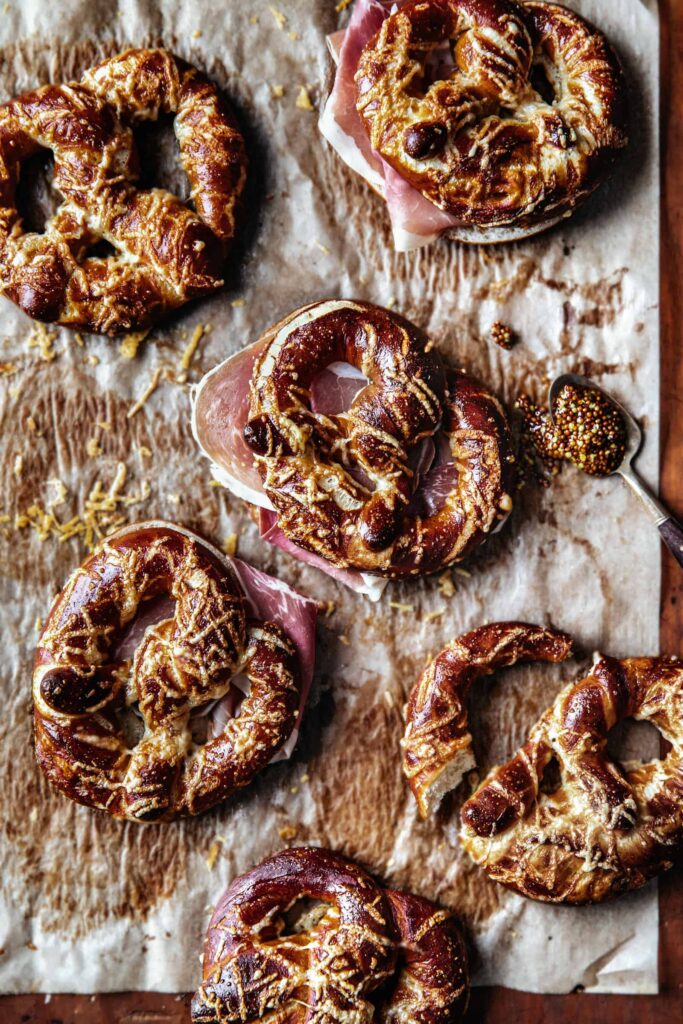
[(452, 97), (366, 954), (183, 663), (165, 252), (605, 828), (342, 485)]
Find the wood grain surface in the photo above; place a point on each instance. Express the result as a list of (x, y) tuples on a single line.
[(502, 1006)]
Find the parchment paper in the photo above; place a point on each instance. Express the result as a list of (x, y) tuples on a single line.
[(89, 904)]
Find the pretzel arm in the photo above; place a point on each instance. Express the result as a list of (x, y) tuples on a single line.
[(267, 717), (437, 745), (253, 982)]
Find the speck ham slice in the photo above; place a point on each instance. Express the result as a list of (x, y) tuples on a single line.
[(414, 220)]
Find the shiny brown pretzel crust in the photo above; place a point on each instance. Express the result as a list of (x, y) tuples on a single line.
[(482, 143), (182, 663), (437, 744), (364, 939), (304, 457), (166, 254), (605, 830)]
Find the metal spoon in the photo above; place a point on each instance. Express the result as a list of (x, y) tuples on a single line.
[(670, 530)]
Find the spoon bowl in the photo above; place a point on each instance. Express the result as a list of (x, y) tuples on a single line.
[(634, 435), (670, 530)]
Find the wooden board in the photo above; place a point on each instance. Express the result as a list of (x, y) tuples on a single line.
[(501, 1006)]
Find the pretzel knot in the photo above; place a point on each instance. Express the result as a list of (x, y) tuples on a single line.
[(605, 828), (343, 485), (365, 954), (165, 253), (186, 661), (502, 114)]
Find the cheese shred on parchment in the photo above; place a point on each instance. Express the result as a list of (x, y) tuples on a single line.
[(99, 517), (43, 340), (149, 390), (190, 350)]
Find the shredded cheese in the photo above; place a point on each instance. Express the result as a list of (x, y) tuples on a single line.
[(149, 390), (43, 340), (189, 352), (303, 100), (93, 448), (230, 544), (236, 303), (430, 616), (280, 18), (323, 248), (401, 607), (446, 585), (278, 92), (128, 348)]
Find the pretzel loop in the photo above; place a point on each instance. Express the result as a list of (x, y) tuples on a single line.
[(343, 485), (331, 967), (82, 687), (166, 253), (604, 827), (452, 96)]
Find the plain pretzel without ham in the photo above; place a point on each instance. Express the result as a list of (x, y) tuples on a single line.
[(504, 115), (604, 829), (166, 253), (342, 484), (363, 954), (184, 662)]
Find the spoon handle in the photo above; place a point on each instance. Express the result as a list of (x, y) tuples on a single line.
[(670, 530), (671, 533)]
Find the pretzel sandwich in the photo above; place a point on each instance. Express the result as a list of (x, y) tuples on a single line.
[(184, 662), (503, 115), (343, 484), (165, 252), (364, 954), (606, 828)]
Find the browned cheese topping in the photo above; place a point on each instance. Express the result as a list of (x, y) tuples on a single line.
[(588, 430), (501, 114), (165, 253), (85, 688), (363, 953)]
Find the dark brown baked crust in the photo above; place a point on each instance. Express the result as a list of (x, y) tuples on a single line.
[(363, 520), (607, 828), (166, 254), (437, 744), (370, 954), (80, 689), (482, 143)]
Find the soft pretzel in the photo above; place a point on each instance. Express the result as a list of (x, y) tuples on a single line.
[(605, 829), (365, 954), (166, 253), (452, 97), (342, 485), (184, 662), (437, 744)]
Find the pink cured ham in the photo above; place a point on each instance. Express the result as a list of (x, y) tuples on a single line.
[(220, 409), (414, 220), (220, 412), (219, 415)]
